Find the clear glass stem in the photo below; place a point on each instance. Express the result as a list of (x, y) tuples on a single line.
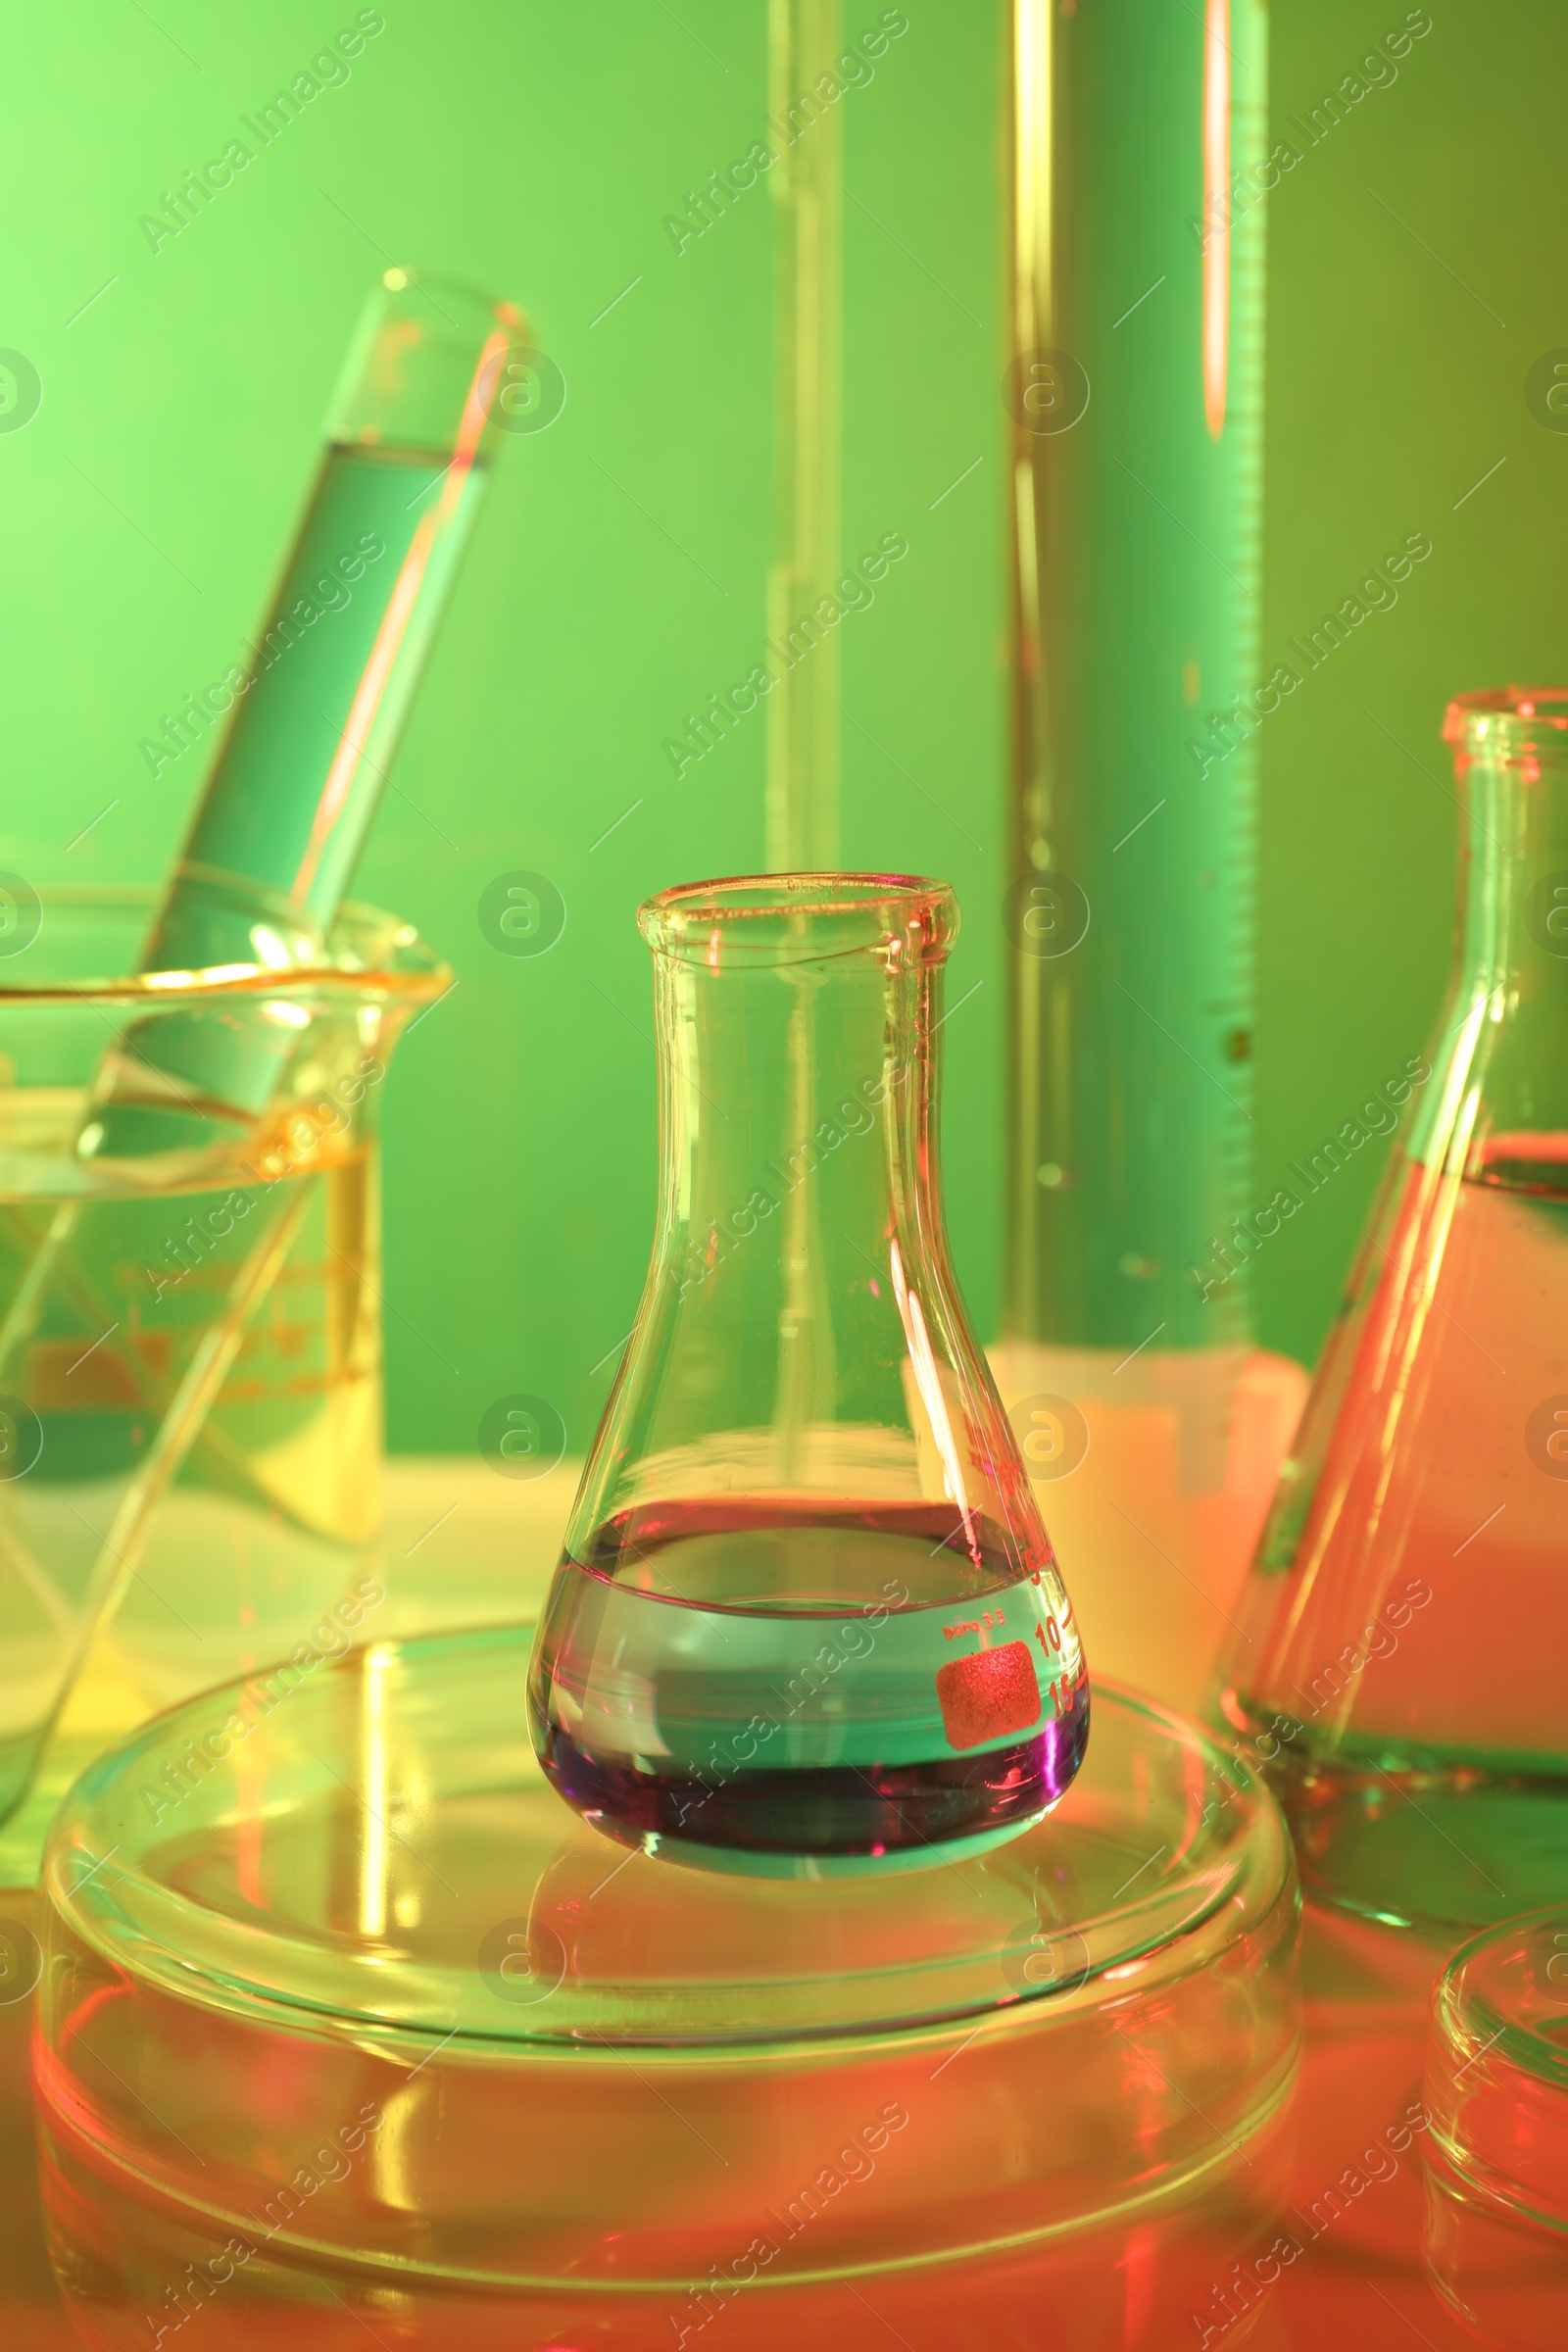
[(803, 709)]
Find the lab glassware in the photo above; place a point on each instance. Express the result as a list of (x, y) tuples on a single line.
[(1397, 1663), (1149, 1419), (190, 1357), (315, 720), (1496, 2153), (808, 1619), (343, 2013)]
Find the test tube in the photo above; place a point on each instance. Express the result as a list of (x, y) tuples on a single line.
[(1140, 188), (433, 375)]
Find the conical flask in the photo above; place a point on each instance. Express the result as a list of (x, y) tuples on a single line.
[(808, 1620), (1400, 1665)]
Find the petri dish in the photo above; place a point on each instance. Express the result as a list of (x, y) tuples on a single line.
[(460, 1546), (1496, 2152), (347, 2023)]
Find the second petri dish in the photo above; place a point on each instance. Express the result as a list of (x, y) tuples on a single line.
[(345, 2019), (1497, 2150)]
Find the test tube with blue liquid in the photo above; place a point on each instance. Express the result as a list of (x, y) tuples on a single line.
[(313, 728)]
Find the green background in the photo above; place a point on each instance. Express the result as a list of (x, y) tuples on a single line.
[(618, 576)]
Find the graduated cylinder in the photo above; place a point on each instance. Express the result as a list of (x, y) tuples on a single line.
[(1134, 393)]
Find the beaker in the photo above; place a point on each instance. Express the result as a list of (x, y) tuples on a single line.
[(1397, 1666), (189, 1343), (808, 1620)]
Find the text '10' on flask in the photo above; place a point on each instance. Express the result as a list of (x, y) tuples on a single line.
[(808, 1621), (1398, 1670)]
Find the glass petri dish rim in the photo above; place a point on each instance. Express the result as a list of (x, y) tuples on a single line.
[(373, 954), (1468, 2006), (1200, 1900)]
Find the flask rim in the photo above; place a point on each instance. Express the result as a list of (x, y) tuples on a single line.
[(1513, 718), (801, 919)]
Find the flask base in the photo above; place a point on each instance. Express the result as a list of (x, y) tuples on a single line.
[(1439, 1845), (746, 1862), (838, 1726)]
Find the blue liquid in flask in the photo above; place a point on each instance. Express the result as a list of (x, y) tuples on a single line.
[(906, 1691)]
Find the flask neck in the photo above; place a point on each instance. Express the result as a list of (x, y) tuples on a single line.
[(766, 1079), (802, 1348), (1499, 1074), (1512, 768)]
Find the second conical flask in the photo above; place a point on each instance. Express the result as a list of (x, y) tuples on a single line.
[(808, 1620), (1398, 1665)]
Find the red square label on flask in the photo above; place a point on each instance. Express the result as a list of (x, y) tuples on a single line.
[(988, 1694)]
